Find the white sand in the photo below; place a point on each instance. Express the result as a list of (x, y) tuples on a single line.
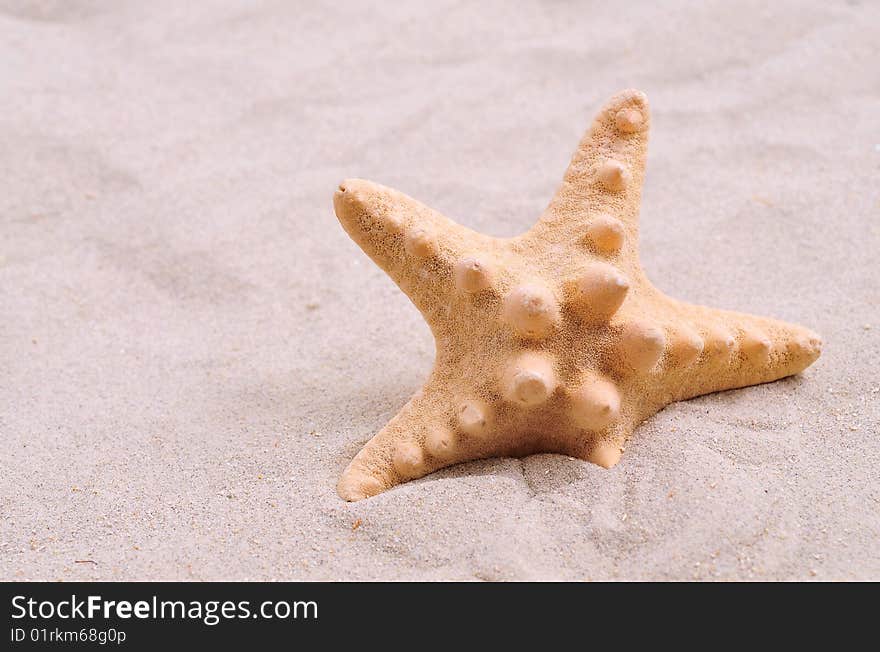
[(191, 348)]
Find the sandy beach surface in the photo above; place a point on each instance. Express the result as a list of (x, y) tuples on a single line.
[(191, 348)]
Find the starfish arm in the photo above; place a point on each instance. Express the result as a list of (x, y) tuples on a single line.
[(738, 350), (604, 179), (419, 248), (410, 446)]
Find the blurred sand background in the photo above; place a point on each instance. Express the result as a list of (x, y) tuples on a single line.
[(191, 348)]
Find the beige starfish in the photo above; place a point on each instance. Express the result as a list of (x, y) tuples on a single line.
[(552, 341)]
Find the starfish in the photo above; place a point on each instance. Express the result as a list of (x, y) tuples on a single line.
[(553, 341)]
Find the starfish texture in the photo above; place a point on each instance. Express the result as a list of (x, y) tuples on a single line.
[(552, 341)]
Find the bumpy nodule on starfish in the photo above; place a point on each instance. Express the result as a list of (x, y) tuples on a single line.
[(554, 340)]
